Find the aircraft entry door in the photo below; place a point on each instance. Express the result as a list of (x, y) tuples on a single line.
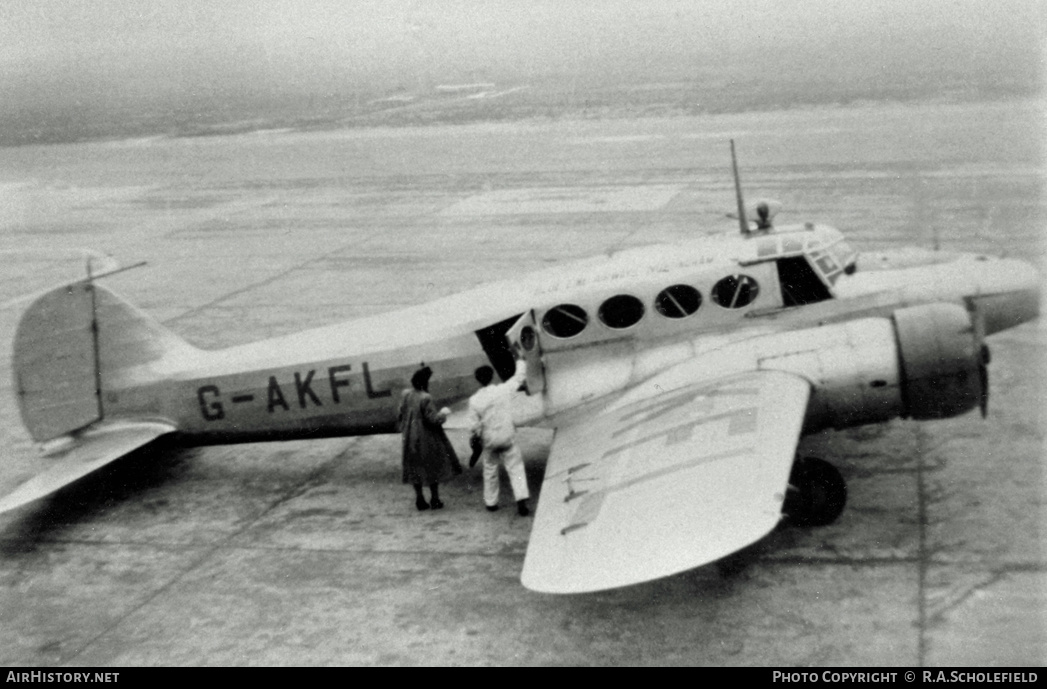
[(523, 337)]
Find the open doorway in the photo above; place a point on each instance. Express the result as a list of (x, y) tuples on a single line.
[(496, 347), (800, 284)]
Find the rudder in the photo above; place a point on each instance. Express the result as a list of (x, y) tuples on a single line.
[(74, 343)]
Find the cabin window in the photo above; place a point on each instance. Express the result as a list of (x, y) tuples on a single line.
[(565, 320), (621, 311), (678, 301), (767, 246), (735, 291)]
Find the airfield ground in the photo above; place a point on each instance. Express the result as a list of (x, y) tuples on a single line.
[(311, 552)]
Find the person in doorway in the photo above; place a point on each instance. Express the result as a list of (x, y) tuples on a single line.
[(491, 420), (428, 456)]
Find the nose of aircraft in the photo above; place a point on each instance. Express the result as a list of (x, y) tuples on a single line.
[(1007, 292)]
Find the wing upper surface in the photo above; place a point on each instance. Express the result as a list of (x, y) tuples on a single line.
[(671, 476), (89, 451)]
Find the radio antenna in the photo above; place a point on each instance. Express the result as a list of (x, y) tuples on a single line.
[(742, 222)]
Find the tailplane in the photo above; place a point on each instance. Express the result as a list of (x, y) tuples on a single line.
[(99, 445)]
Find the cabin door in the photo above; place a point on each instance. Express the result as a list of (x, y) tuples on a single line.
[(523, 338)]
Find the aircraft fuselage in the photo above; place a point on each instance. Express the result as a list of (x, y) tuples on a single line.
[(347, 379)]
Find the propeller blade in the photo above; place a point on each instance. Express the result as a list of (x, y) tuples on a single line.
[(978, 326), (983, 373), (983, 377)]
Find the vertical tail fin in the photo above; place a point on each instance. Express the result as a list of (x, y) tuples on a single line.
[(74, 343)]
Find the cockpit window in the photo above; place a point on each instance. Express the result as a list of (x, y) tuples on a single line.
[(835, 259), (735, 291), (621, 311), (825, 262), (565, 320), (678, 301), (843, 253)]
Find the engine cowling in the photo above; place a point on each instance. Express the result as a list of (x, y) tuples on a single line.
[(924, 362), (941, 361)]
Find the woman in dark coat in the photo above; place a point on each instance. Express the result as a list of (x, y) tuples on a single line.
[(428, 456)]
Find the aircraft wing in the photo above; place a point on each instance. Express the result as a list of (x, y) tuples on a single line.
[(90, 450), (673, 475)]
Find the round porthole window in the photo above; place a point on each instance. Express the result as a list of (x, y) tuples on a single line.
[(565, 320), (621, 311), (678, 301), (735, 291)]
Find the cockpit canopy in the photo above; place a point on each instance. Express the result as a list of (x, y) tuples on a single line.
[(824, 246)]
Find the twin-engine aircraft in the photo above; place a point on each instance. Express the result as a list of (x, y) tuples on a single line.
[(678, 380)]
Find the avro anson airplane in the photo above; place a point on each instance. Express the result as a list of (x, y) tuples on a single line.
[(678, 379)]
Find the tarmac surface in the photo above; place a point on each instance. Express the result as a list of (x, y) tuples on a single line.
[(311, 552)]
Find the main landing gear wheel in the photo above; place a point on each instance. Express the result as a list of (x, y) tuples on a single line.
[(733, 564), (817, 493)]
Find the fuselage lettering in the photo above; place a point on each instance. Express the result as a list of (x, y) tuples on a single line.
[(275, 396), (336, 383), (302, 387), (212, 410), (338, 378), (371, 392)]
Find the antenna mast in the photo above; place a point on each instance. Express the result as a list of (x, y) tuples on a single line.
[(742, 222)]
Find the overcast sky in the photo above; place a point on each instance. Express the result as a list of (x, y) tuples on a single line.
[(129, 48)]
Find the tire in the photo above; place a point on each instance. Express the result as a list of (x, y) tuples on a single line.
[(817, 493)]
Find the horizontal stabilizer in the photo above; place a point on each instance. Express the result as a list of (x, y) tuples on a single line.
[(88, 451)]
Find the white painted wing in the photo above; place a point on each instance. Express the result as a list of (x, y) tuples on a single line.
[(671, 476), (90, 450)]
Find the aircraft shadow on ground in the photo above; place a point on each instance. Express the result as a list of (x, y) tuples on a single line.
[(148, 467)]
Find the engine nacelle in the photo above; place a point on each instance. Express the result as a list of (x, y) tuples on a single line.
[(940, 355), (922, 363)]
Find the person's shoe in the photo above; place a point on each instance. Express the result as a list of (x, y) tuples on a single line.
[(521, 508), (436, 504), (421, 504), (491, 508)]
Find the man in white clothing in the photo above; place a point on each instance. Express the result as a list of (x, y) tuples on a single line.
[(491, 418)]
